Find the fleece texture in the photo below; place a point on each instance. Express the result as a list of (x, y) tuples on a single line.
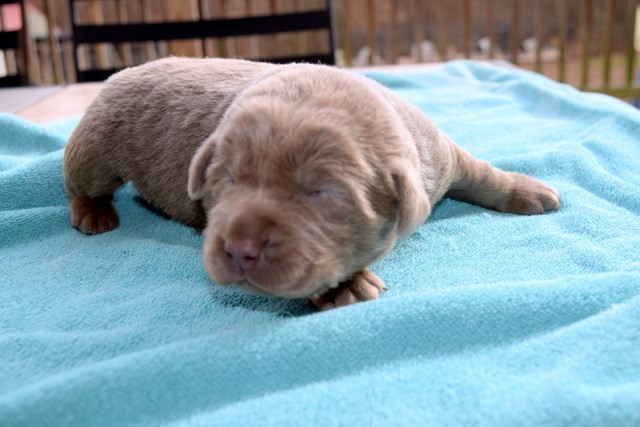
[(490, 319)]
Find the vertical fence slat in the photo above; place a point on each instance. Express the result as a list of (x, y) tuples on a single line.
[(223, 44), (467, 36), (608, 41), (416, 7), (393, 36), (200, 10), (561, 6), (306, 36), (68, 56), (31, 58), (54, 45), (441, 29), (102, 50), (538, 28), (273, 39), (23, 59), (150, 47), (514, 34), (253, 40), (31, 62), (587, 26), (75, 50), (210, 44), (491, 28), (124, 49), (344, 21), (371, 31), (630, 26)]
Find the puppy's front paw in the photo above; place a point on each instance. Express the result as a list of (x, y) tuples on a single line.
[(363, 286), (93, 216), (530, 196)]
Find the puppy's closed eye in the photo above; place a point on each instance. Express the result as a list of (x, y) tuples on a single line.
[(321, 192), (316, 194)]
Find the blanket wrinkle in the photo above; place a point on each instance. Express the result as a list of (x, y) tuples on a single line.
[(490, 318)]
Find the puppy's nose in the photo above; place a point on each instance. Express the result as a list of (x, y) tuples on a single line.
[(243, 253)]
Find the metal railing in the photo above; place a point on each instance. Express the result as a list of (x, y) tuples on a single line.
[(590, 44)]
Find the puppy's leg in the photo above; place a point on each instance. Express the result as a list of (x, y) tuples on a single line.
[(478, 182), (363, 286), (94, 215), (90, 183)]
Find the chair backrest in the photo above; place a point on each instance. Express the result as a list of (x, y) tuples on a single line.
[(12, 48), (212, 34)]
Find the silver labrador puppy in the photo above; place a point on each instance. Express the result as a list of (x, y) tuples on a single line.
[(301, 175)]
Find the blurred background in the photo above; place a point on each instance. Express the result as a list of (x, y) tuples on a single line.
[(591, 44)]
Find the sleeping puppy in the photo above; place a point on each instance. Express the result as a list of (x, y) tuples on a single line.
[(300, 175)]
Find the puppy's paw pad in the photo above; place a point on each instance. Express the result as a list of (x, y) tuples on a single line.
[(531, 197), (93, 216), (363, 286)]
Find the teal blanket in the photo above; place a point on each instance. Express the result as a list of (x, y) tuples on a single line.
[(490, 319)]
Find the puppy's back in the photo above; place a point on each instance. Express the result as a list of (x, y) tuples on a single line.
[(148, 122)]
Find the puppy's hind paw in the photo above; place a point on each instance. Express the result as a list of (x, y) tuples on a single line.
[(363, 286), (94, 216), (530, 196)]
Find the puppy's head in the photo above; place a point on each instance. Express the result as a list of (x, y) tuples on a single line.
[(297, 200)]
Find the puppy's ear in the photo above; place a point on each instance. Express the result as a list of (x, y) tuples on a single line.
[(198, 168), (413, 203)]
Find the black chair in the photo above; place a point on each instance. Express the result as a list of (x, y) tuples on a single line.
[(15, 41), (201, 29)]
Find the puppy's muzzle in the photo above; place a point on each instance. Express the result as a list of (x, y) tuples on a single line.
[(246, 243), (254, 248), (269, 246)]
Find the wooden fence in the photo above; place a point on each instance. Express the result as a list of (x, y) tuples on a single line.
[(590, 44)]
